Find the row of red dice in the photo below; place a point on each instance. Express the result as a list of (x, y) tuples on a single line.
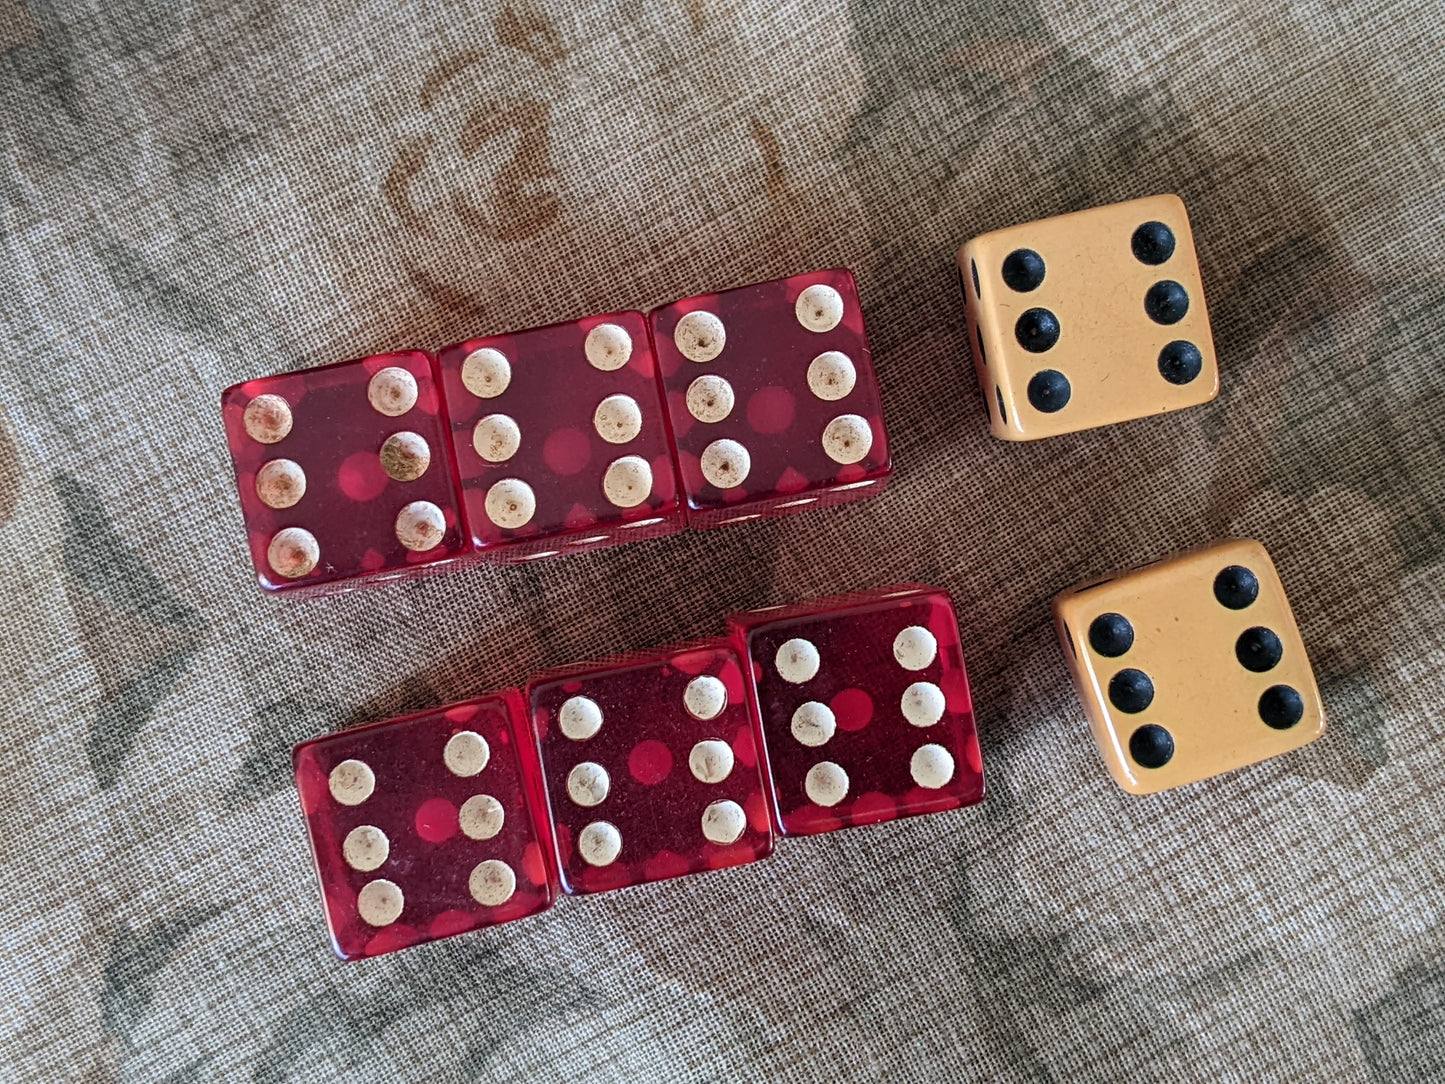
[(716, 409), (803, 719)]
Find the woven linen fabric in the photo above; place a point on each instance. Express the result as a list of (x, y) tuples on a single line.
[(195, 194)]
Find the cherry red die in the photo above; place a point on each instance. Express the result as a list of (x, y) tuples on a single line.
[(344, 473), (772, 398), (560, 438), (427, 826), (862, 702), (651, 768)]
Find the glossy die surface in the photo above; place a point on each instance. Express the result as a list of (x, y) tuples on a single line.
[(560, 439), (426, 826), (651, 768), (864, 708), (344, 471), (772, 398), (1088, 319), (1190, 666)]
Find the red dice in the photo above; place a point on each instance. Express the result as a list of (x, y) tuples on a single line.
[(651, 768), (772, 398), (344, 473), (427, 826), (864, 708), (809, 718), (560, 437)]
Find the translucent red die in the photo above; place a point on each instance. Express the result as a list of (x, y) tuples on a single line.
[(560, 437), (862, 702), (344, 473), (651, 768), (427, 826), (772, 398)]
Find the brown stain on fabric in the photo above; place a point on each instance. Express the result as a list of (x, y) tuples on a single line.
[(530, 32), (437, 79), (524, 208), (446, 296), (16, 25), (410, 159), (9, 468), (774, 178), (527, 31), (521, 204)]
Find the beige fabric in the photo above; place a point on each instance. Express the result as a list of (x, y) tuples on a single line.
[(191, 195)]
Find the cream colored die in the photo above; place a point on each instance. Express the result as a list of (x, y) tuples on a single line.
[(1190, 666), (1088, 319)]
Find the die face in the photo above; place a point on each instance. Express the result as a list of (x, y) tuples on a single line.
[(1190, 667), (560, 437), (344, 473), (651, 769), (425, 827), (864, 709), (1088, 319), (772, 398)]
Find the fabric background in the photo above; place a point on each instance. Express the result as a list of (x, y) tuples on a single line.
[(192, 194)]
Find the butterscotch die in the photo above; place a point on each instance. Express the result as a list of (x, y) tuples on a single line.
[(1190, 666), (1088, 319)]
